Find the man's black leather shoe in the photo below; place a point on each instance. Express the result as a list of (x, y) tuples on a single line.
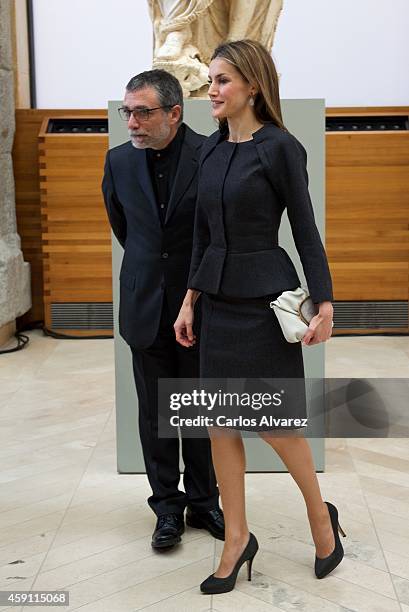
[(212, 520), (168, 530)]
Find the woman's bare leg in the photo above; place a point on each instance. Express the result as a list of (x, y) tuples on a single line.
[(295, 452), (229, 463)]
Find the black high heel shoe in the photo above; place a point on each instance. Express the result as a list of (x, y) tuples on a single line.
[(213, 585), (327, 564)]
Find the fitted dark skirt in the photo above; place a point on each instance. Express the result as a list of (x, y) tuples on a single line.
[(242, 338)]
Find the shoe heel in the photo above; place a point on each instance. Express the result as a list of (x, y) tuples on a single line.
[(341, 530), (249, 566)]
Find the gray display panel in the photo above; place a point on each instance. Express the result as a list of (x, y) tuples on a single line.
[(306, 120)]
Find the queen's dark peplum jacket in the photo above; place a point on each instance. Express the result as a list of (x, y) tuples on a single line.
[(251, 263)]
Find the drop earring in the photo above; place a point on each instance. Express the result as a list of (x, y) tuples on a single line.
[(251, 101)]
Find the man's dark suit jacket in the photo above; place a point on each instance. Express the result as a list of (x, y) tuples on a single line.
[(156, 259), (261, 267)]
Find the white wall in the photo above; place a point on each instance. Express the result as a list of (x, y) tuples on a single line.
[(87, 50), (350, 52)]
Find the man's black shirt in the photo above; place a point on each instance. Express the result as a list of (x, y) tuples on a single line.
[(162, 164)]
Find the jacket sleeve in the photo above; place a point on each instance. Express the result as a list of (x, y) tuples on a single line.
[(113, 206), (201, 239), (291, 180)]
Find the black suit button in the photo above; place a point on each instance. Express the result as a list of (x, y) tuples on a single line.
[(160, 175), (162, 206), (165, 255)]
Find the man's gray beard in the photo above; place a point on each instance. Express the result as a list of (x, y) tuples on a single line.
[(151, 142)]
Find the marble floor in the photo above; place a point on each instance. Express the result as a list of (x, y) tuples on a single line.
[(69, 521)]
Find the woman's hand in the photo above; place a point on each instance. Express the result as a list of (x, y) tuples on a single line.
[(183, 325), (320, 327)]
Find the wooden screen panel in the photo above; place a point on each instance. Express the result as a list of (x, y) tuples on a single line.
[(353, 226), (367, 214), (367, 210), (76, 235), (27, 187)]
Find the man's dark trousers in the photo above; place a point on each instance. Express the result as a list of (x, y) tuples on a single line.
[(165, 358), (153, 279)]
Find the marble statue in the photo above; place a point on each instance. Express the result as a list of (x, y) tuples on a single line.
[(186, 32), (15, 291)]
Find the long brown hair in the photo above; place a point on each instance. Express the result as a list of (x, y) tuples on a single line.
[(256, 66)]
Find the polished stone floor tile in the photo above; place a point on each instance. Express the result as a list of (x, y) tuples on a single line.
[(69, 520)]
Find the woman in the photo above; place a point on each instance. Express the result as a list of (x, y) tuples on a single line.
[(250, 170)]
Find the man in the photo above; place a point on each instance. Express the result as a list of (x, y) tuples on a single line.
[(149, 189)]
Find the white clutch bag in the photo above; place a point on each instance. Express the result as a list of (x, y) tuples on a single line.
[(294, 311)]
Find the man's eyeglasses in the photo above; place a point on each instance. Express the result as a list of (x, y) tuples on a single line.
[(140, 114)]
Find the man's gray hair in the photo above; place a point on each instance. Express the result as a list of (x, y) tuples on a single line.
[(167, 87)]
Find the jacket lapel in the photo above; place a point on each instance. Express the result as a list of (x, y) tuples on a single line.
[(212, 141), (186, 170)]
